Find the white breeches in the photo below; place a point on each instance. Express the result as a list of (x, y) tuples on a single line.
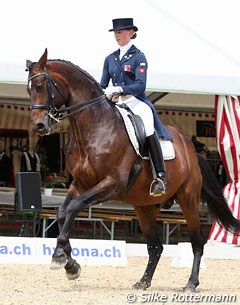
[(143, 110)]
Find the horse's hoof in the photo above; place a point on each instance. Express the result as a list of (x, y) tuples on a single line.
[(189, 288), (141, 285), (74, 271), (58, 262)]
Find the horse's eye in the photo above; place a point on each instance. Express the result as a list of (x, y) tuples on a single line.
[(39, 86)]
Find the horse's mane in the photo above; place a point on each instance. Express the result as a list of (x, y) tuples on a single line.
[(85, 73), (69, 63)]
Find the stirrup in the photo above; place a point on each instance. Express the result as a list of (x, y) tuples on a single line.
[(155, 192)]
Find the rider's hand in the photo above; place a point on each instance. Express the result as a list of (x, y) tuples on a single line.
[(110, 91)]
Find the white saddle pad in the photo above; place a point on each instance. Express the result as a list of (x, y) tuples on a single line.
[(167, 146)]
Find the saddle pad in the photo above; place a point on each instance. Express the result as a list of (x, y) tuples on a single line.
[(167, 149), (167, 146)]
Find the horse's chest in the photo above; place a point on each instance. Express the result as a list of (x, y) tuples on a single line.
[(82, 170)]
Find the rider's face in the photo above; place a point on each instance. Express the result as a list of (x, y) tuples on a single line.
[(123, 36)]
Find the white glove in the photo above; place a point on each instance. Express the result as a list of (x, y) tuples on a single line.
[(110, 91)]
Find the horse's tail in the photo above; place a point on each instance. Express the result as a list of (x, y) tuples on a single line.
[(213, 195)]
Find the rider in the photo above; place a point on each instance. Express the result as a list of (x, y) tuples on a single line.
[(127, 68)]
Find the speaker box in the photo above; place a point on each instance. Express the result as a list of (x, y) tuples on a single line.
[(28, 196)]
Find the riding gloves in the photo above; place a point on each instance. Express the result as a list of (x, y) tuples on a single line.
[(110, 91)]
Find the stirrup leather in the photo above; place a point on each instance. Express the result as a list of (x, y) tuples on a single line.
[(153, 184)]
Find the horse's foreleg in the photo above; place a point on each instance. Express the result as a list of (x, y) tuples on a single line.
[(148, 225), (62, 258), (61, 212), (62, 254)]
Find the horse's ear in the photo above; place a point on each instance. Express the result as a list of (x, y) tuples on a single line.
[(43, 60), (28, 65)]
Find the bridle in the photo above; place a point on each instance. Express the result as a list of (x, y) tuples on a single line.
[(53, 112)]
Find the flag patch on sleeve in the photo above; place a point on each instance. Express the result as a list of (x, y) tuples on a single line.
[(141, 70)]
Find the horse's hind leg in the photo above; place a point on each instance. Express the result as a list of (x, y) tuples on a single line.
[(190, 210), (148, 224), (197, 242)]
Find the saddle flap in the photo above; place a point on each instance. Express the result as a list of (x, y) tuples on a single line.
[(139, 130), (136, 133)]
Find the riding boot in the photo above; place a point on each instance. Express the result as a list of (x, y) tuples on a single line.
[(159, 185)]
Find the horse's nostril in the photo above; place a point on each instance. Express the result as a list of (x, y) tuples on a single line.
[(38, 127)]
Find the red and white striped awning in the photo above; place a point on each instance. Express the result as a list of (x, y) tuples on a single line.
[(227, 110), (14, 116)]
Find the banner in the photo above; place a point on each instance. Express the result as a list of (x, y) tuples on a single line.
[(227, 109), (27, 250)]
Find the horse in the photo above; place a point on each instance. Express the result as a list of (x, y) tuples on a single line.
[(100, 158)]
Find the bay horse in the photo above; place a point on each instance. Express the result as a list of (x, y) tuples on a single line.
[(100, 158)]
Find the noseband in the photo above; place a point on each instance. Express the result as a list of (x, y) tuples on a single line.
[(52, 111)]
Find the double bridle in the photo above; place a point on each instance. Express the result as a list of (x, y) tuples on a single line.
[(52, 111)]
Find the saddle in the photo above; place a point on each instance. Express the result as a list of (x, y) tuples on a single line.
[(139, 129), (136, 132)]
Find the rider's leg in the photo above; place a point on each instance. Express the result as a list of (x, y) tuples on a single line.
[(156, 155), (155, 150)]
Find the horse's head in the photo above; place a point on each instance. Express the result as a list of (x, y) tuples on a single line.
[(48, 92)]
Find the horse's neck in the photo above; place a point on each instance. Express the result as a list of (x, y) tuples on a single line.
[(93, 123)]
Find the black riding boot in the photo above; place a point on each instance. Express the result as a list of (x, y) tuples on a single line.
[(159, 185)]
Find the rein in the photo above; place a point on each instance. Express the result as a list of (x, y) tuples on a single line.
[(56, 113), (53, 112)]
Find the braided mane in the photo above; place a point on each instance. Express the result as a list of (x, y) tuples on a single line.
[(85, 73)]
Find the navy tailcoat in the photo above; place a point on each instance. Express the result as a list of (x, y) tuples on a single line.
[(130, 73)]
